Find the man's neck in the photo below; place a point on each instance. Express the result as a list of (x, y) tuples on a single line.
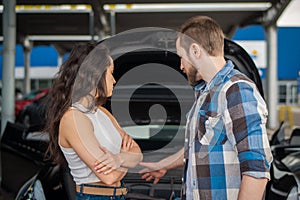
[(218, 64), (219, 61)]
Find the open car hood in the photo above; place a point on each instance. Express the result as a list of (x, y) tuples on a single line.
[(147, 68), (158, 45)]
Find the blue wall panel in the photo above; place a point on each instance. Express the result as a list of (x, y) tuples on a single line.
[(250, 33), (288, 48), (40, 56), (288, 52), (44, 56)]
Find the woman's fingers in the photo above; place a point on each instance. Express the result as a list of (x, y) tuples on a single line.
[(102, 168), (108, 171), (98, 166), (127, 142)]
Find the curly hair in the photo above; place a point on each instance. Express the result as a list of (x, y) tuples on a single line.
[(83, 72)]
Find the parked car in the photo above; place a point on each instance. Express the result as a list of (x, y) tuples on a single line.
[(33, 114), (285, 170), (28, 98), (150, 100)]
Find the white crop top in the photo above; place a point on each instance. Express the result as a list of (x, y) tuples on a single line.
[(106, 134)]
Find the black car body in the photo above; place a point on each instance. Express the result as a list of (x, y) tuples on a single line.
[(152, 107), (285, 170), (33, 114)]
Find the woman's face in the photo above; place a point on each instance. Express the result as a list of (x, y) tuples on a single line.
[(110, 80)]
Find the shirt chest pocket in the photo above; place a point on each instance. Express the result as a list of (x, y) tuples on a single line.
[(212, 130)]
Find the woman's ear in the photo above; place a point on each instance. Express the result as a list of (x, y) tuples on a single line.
[(195, 50)]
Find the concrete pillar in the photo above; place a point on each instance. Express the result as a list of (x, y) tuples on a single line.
[(8, 69), (27, 45), (59, 60), (112, 23), (272, 77)]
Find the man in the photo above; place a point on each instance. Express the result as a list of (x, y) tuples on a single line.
[(226, 153)]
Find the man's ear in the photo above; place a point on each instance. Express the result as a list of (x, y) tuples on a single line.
[(195, 50)]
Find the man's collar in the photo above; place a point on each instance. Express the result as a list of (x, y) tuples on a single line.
[(200, 86), (217, 79)]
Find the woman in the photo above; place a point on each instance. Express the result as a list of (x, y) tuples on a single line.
[(97, 150)]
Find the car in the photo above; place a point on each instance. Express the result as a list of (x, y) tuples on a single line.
[(28, 98), (285, 176), (150, 100), (33, 114)]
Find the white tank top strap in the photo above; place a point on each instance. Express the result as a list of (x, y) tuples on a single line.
[(82, 108)]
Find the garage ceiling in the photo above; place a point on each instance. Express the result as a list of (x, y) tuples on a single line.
[(98, 20)]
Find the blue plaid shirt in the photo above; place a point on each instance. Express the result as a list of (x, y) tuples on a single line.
[(225, 136)]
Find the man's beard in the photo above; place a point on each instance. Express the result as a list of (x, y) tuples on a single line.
[(192, 77)]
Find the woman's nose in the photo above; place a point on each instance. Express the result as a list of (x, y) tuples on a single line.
[(181, 66)]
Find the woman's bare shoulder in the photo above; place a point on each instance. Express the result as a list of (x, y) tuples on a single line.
[(74, 123), (73, 117)]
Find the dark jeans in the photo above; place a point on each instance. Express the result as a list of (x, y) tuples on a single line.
[(81, 196)]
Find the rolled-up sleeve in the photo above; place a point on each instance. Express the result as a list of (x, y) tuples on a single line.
[(247, 117)]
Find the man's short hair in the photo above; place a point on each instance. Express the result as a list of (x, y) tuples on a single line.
[(206, 32)]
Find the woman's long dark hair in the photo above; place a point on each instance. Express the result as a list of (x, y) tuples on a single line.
[(83, 72)]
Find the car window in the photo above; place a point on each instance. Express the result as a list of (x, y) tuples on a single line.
[(30, 95)]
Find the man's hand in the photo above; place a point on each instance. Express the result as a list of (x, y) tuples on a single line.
[(151, 171)]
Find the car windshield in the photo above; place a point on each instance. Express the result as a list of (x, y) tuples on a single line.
[(31, 95)]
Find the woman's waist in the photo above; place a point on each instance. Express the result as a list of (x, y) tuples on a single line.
[(102, 184)]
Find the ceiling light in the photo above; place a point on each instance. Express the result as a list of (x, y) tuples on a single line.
[(187, 7)]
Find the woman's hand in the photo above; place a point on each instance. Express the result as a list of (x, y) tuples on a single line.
[(108, 162), (127, 142)]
